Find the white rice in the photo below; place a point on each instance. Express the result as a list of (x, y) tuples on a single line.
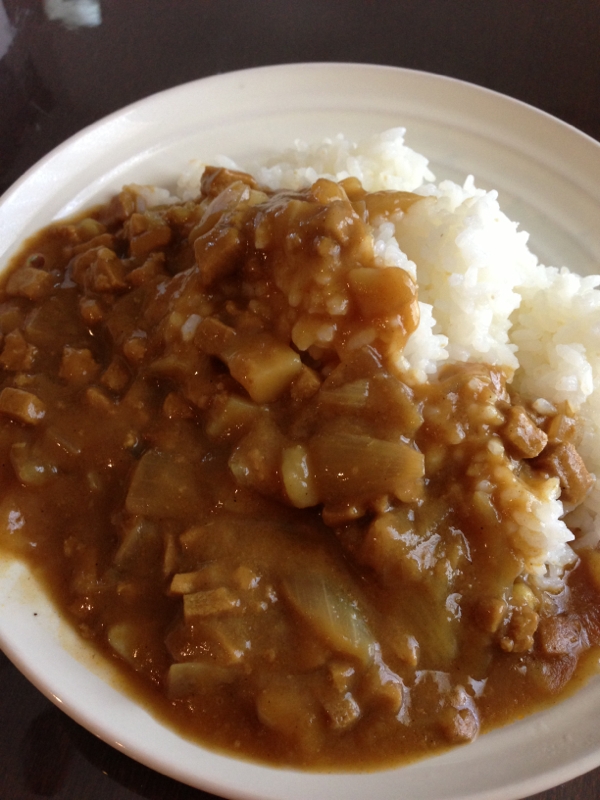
[(483, 296), (380, 162)]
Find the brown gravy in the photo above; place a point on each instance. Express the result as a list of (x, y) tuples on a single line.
[(297, 553)]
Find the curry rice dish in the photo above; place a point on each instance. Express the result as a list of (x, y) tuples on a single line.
[(291, 449)]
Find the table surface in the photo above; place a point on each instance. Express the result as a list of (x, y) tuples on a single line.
[(57, 75)]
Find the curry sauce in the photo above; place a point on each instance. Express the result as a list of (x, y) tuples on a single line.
[(214, 459)]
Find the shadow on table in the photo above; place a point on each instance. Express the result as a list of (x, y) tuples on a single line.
[(53, 745)]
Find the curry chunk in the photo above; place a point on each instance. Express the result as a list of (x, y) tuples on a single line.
[(564, 461), (106, 272), (22, 406), (523, 434), (78, 366), (17, 353), (29, 282), (209, 602), (354, 467)]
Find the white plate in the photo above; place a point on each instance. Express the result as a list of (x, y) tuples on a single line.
[(548, 175)]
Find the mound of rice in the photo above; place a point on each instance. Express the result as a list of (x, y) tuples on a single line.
[(484, 297)]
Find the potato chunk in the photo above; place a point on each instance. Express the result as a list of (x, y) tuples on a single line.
[(265, 367), (381, 292), (22, 406)]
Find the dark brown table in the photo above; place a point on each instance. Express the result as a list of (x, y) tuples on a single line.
[(56, 77)]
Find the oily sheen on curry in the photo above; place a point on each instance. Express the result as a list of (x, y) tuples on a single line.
[(298, 550)]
